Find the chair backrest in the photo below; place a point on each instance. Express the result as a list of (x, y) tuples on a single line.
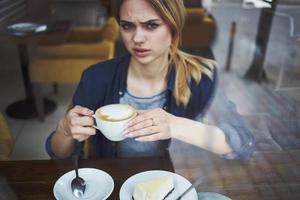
[(80, 12), (88, 34), (199, 30), (7, 140), (65, 63), (111, 29)]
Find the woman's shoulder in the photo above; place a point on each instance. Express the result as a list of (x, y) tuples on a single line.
[(208, 82), (208, 73)]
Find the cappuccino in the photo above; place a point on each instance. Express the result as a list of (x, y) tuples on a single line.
[(111, 120), (115, 112)]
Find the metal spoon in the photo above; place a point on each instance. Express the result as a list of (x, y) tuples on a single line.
[(194, 185), (77, 184)]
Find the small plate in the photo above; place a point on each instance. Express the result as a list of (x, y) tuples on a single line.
[(212, 196), (20, 29), (180, 183), (99, 185)]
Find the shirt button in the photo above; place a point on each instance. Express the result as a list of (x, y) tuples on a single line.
[(120, 93), (250, 143)]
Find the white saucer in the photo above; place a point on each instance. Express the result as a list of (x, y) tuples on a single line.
[(180, 183), (212, 196), (99, 185), (26, 28)]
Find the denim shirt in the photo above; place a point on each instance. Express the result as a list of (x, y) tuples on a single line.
[(105, 83)]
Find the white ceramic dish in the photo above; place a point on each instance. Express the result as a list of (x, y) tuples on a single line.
[(212, 196), (26, 28), (99, 185), (180, 183)]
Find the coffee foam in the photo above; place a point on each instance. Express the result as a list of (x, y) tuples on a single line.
[(115, 112)]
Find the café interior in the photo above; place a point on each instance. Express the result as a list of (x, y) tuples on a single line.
[(256, 44)]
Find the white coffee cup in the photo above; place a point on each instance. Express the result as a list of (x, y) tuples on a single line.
[(111, 120)]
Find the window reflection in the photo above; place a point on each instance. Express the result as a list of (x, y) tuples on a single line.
[(257, 46)]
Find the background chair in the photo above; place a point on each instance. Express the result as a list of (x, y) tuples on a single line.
[(64, 63), (80, 12), (7, 140), (199, 31)]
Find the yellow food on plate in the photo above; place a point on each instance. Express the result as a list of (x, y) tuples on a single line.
[(155, 189)]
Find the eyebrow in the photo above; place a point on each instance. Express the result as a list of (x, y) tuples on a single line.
[(146, 22)]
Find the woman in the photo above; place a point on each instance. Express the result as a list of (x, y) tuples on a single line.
[(169, 87)]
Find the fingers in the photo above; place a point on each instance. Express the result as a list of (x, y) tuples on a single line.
[(80, 133), (149, 125), (79, 122), (148, 138), (80, 138), (77, 130), (137, 126), (141, 111), (142, 116), (144, 131), (79, 110), (82, 121)]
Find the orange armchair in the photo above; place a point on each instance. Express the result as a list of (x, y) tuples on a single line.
[(199, 30), (7, 140), (64, 63)]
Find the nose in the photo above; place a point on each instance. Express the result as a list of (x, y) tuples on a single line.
[(139, 36)]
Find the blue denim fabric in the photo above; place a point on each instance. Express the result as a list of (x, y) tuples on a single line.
[(105, 83)]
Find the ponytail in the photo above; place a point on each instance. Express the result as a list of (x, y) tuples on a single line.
[(189, 68)]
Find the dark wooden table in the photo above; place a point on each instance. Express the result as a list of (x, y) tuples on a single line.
[(269, 175), (35, 179), (56, 33)]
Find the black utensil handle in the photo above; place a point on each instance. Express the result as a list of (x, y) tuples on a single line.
[(76, 166), (76, 157)]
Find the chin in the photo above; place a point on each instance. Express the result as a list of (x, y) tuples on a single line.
[(144, 60)]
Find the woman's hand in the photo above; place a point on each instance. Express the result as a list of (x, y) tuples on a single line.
[(78, 123), (150, 125)]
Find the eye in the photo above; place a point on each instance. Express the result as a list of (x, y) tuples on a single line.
[(126, 26), (152, 26)]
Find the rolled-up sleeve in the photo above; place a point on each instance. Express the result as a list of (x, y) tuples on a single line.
[(238, 134), (79, 98), (78, 149), (49, 148), (240, 140)]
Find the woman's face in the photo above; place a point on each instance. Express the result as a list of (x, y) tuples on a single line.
[(146, 36)]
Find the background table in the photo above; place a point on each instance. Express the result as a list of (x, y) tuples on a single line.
[(25, 109)]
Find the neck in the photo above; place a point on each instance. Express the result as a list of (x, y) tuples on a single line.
[(156, 70), (151, 76)]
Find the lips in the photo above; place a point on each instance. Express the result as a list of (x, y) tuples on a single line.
[(140, 52)]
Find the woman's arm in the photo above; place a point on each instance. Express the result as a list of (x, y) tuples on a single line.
[(62, 144), (157, 124), (231, 140), (75, 126), (205, 136)]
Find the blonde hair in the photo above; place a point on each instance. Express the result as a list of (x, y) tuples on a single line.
[(187, 67)]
